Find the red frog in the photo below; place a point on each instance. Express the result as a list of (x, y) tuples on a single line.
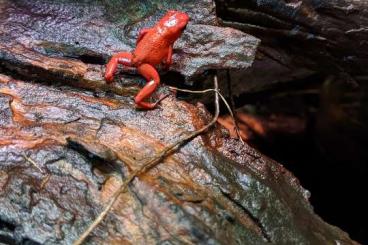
[(154, 46)]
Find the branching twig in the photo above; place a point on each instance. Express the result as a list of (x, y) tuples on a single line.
[(151, 163), (222, 98)]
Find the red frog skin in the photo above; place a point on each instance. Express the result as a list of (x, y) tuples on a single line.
[(154, 46)]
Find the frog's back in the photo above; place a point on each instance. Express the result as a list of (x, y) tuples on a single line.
[(152, 49)]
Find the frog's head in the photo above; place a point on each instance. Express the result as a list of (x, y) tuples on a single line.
[(174, 22)]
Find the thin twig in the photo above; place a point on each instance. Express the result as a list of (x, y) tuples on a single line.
[(233, 117), (151, 163), (44, 181), (222, 98), (34, 164), (232, 105), (193, 91)]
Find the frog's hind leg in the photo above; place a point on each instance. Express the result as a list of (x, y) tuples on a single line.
[(124, 58), (153, 80)]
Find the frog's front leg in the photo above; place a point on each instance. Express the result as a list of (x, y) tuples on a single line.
[(168, 61), (153, 80), (141, 34), (124, 58)]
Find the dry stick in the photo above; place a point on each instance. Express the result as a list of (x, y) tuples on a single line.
[(34, 164), (233, 117), (232, 104), (222, 98), (151, 163)]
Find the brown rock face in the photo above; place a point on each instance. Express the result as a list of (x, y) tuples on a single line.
[(80, 143)]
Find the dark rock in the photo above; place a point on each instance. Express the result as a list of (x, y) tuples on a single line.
[(25, 63), (92, 31), (213, 47), (301, 38)]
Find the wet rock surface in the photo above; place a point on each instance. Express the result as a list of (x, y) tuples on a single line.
[(64, 149), (79, 142)]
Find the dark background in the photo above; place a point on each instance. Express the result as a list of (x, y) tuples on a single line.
[(330, 155)]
